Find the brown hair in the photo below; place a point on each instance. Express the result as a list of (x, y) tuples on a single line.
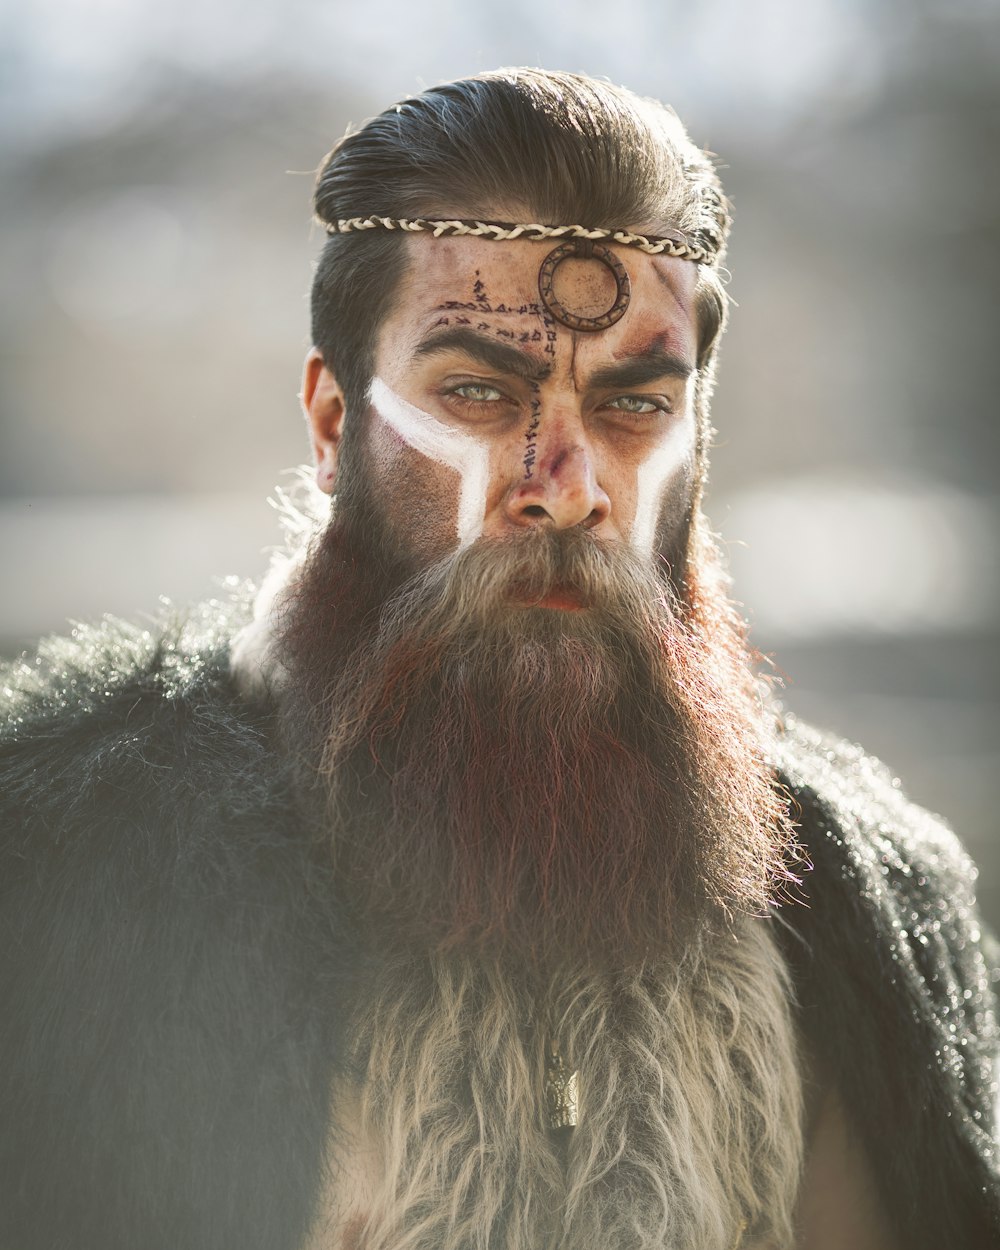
[(563, 147)]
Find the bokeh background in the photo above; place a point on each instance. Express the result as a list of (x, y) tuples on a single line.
[(155, 252)]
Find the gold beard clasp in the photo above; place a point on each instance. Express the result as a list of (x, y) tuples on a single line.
[(562, 1097)]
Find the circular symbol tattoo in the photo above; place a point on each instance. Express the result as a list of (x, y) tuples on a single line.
[(584, 249)]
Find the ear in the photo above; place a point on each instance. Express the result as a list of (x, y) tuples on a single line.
[(323, 405)]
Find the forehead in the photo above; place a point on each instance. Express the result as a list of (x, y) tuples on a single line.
[(465, 279)]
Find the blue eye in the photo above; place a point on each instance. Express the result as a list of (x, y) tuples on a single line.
[(637, 405), (477, 393)]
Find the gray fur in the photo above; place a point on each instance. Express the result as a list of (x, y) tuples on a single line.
[(690, 1122)]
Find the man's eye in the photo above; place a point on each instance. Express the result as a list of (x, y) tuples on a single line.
[(637, 405), (477, 393)]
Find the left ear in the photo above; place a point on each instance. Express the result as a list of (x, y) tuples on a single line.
[(323, 405)]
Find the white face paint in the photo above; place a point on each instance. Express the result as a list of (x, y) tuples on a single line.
[(653, 474), (448, 446)]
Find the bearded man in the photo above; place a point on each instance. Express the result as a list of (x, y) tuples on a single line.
[(473, 894)]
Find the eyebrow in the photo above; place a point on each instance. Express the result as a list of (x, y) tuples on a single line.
[(638, 370), (652, 364), (499, 356)]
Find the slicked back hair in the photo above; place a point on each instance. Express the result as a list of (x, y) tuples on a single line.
[(561, 148)]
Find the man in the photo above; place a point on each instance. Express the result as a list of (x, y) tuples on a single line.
[(474, 894)]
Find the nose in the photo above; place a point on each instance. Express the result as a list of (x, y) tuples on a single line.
[(558, 487)]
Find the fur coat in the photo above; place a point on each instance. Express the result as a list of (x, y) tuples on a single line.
[(173, 965)]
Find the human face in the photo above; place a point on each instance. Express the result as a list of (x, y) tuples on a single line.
[(489, 417)]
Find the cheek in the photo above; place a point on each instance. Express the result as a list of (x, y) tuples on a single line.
[(445, 449), (418, 498), (662, 488), (673, 522)]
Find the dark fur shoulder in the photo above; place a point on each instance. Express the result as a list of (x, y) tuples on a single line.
[(173, 965), (172, 958), (896, 993)]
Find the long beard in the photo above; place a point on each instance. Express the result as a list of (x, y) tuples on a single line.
[(547, 783)]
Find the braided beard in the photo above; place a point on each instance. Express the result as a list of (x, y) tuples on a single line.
[(553, 784)]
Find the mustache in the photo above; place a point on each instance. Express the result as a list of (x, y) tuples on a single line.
[(498, 578)]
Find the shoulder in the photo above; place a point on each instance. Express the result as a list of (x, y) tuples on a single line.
[(88, 682), (850, 802), (886, 877), (896, 982), (133, 771), (118, 717), (164, 925)]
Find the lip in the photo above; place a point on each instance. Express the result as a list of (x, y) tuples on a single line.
[(559, 599)]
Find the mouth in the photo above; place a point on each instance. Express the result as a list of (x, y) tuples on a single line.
[(558, 599)]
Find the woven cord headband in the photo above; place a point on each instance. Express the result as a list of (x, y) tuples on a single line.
[(533, 232)]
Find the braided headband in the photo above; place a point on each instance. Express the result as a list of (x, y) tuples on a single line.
[(533, 232), (578, 242)]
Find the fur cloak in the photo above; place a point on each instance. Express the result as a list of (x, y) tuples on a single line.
[(173, 965)]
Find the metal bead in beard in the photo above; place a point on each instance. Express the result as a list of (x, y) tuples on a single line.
[(584, 249)]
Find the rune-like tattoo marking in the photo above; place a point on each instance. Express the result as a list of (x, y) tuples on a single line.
[(531, 434)]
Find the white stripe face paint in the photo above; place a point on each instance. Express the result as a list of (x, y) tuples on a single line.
[(654, 473), (446, 445)]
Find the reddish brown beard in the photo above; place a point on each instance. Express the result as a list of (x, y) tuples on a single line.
[(587, 784)]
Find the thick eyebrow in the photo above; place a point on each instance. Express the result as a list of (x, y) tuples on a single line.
[(499, 356), (637, 371)]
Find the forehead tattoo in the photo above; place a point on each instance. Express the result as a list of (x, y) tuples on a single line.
[(580, 243), (584, 249)]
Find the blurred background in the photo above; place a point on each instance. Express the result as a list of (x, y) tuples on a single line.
[(156, 251)]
